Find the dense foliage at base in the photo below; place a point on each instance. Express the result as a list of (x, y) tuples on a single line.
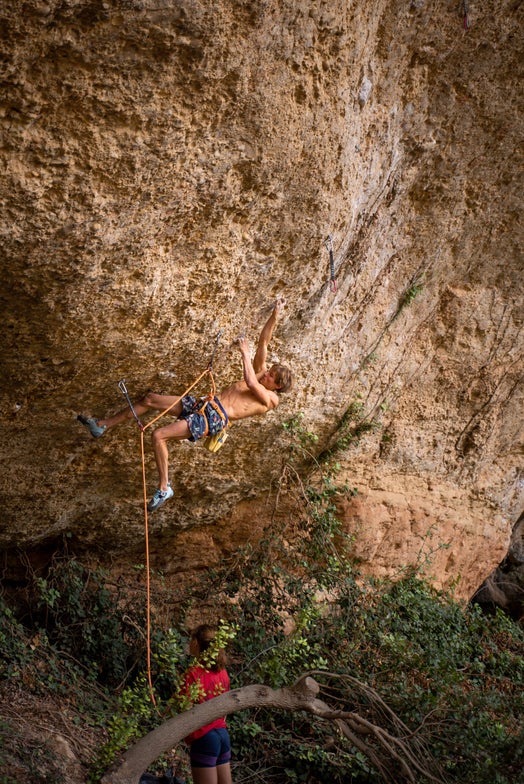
[(451, 673), (292, 604)]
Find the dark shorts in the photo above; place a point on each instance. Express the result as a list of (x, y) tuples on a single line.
[(212, 749), (197, 421)]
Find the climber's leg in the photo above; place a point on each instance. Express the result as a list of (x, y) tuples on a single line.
[(97, 427), (178, 431)]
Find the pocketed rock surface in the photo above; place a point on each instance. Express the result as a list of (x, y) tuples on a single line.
[(168, 170)]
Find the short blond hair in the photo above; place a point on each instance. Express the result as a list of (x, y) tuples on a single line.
[(283, 377)]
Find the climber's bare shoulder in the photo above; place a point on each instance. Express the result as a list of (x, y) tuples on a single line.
[(240, 402)]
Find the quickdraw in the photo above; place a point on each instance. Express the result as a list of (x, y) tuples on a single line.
[(332, 278), (466, 19), (122, 387), (217, 341)]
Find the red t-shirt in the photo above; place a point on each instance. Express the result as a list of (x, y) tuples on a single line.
[(212, 684)]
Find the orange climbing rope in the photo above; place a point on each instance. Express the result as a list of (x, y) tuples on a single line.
[(143, 428)]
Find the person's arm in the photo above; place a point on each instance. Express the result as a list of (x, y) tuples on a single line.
[(259, 363), (262, 394)]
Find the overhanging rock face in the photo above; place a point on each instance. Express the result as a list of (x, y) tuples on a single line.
[(169, 169)]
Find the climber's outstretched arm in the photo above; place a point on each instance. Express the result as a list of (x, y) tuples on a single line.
[(258, 390), (259, 362)]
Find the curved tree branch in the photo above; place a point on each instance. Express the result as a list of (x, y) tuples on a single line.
[(302, 695)]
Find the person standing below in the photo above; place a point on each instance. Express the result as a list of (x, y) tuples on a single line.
[(255, 394), (210, 746)]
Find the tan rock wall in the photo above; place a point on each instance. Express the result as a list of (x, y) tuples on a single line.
[(170, 168)]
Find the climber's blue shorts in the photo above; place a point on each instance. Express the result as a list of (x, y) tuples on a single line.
[(212, 749), (197, 421)]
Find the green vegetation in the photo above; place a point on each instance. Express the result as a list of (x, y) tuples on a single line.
[(353, 426), (411, 293), (292, 604)]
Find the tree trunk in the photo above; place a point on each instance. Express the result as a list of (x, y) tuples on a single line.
[(300, 696)]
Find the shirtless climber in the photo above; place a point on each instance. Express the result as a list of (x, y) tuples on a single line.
[(256, 393)]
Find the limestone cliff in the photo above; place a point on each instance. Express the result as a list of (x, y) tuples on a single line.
[(169, 168)]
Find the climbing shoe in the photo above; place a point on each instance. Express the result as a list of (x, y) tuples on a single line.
[(159, 498), (92, 425)]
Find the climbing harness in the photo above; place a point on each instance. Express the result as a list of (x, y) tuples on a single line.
[(466, 19), (143, 428), (215, 442), (332, 278), (200, 408)]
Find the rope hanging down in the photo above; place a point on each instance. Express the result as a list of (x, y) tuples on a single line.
[(143, 428), (332, 278)]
